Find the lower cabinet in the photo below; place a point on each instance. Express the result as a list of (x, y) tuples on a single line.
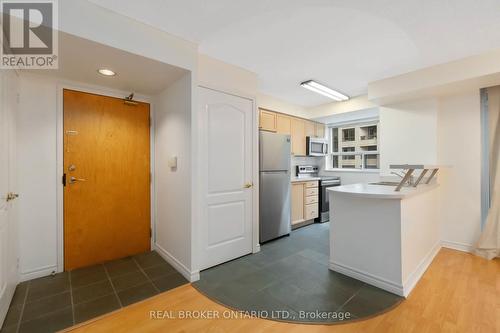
[(304, 202)]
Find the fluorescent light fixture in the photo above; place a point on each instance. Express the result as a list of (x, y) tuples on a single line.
[(323, 90), (106, 72)]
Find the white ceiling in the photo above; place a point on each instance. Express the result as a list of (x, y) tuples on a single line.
[(344, 44), (79, 60)]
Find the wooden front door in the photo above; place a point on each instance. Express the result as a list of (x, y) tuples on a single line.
[(107, 179)]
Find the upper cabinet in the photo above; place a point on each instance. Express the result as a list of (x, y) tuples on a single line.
[(310, 128), (319, 130), (283, 124), (298, 137), (297, 128), (267, 120)]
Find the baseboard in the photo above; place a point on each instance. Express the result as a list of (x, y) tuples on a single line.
[(371, 279), (458, 246), (415, 276), (190, 276), (38, 272)]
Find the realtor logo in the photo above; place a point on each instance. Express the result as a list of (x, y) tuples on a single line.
[(29, 38)]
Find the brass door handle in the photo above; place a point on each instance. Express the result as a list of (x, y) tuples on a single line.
[(73, 180), (11, 196), (248, 185)]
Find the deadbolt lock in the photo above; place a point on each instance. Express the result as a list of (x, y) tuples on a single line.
[(72, 167)]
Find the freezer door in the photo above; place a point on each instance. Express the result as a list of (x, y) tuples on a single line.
[(275, 151), (275, 209)]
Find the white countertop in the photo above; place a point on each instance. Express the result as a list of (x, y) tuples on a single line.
[(308, 179), (380, 191)]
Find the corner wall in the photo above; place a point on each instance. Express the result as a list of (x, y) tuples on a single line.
[(459, 146), (172, 118), (408, 134)]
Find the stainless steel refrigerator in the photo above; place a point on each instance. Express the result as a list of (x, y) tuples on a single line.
[(275, 185)]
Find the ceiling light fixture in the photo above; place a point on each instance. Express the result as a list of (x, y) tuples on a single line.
[(323, 90), (106, 72)]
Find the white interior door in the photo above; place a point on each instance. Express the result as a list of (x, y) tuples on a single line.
[(9, 275), (227, 154)]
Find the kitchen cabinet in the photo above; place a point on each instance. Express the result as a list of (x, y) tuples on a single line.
[(298, 134), (319, 130), (283, 124), (297, 203), (310, 128), (297, 128), (267, 120), (304, 202)]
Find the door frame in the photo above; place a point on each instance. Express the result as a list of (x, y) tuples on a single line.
[(255, 168), (98, 90)]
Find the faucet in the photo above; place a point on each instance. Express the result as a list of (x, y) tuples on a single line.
[(409, 182)]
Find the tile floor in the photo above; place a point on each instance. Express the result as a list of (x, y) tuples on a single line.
[(291, 275), (52, 303)]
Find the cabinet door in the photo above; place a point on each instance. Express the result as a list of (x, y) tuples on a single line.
[(310, 128), (283, 124), (298, 137), (297, 203), (320, 130), (267, 121)]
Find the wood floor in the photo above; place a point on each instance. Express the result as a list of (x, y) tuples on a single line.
[(459, 293)]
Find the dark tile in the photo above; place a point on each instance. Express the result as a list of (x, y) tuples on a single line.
[(48, 281), (255, 281), (149, 259), (46, 305), (121, 266), (369, 301), (52, 322), (137, 293), (129, 280), (49, 286), (89, 275), (13, 315), (92, 291), (96, 307), (20, 294), (170, 281), (159, 271), (317, 257), (9, 329)]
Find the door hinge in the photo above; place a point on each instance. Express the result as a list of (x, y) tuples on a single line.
[(150, 233)]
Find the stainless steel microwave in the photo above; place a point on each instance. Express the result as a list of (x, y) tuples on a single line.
[(316, 146)]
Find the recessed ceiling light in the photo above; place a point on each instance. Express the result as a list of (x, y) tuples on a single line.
[(106, 72), (323, 90)]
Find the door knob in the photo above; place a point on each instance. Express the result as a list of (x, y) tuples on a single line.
[(11, 196), (73, 180), (248, 185)]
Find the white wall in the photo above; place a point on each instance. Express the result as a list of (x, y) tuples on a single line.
[(172, 109), (354, 104), (276, 104), (37, 169), (458, 145), (408, 133), (219, 75)]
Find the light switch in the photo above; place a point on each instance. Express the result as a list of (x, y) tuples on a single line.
[(172, 162)]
